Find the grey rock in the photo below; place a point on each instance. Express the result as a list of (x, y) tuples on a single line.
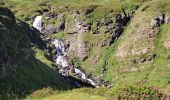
[(160, 20)]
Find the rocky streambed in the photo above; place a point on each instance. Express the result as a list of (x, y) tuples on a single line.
[(68, 70), (76, 76)]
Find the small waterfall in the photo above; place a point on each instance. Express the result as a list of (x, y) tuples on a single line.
[(68, 71), (38, 23), (60, 53), (62, 62)]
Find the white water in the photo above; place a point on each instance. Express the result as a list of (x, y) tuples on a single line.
[(83, 76), (61, 60), (38, 23), (60, 53)]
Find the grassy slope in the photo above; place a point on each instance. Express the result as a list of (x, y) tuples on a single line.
[(34, 71), (130, 92), (157, 74), (151, 69), (105, 58), (75, 96), (32, 75)]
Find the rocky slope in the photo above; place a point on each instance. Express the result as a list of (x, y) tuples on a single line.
[(120, 41)]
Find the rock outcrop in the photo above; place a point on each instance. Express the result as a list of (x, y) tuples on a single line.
[(120, 23)]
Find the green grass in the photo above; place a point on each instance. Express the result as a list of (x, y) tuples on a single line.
[(42, 93), (75, 96), (31, 75), (39, 54), (20, 6), (154, 72), (59, 35), (34, 71), (128, 91), (159, 75), (99, 58)]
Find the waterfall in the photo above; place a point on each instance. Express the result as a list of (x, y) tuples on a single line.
[(61, 61), (60, 53), (38, 23)]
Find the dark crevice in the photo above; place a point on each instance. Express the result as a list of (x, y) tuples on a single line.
[(121, 22)]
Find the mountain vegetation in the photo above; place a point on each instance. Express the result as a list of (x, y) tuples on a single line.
[(123, 42)]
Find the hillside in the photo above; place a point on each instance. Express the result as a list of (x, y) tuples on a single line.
[(121, 41), (22, 69)]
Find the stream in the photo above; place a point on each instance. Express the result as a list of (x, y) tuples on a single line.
[(63, 66), (74, 75)]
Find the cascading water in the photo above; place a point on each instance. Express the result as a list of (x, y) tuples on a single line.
[(61, 61), (60, 53), (38, 23)]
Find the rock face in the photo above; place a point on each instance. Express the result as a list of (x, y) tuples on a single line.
[(121, 21)]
